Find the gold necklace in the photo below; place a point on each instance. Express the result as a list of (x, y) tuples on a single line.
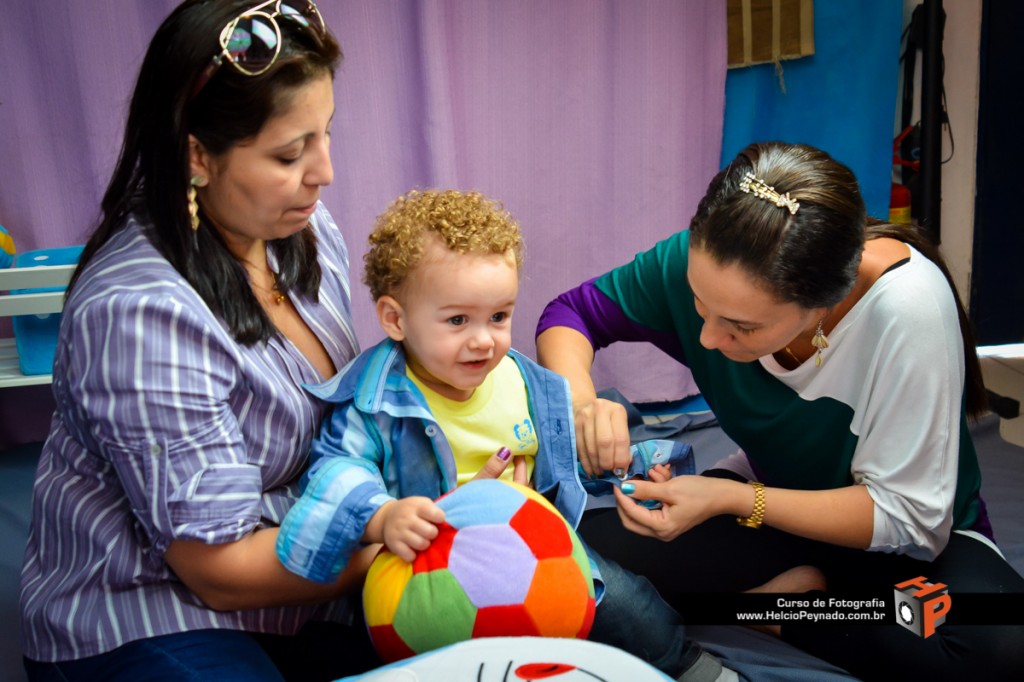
[(277, 297), (791, 354), (275, 294)]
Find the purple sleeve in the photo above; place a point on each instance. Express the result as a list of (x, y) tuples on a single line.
[(594, 314)]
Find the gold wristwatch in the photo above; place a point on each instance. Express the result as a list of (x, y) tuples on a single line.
[(756, 516)]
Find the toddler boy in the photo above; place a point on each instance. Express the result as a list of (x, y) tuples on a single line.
[(427, 408)]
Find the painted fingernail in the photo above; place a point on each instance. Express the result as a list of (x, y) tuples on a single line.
[(620, 473), (504, 453), (628, 488)]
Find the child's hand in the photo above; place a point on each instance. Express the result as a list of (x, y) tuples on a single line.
[(499, 461), (659, 473), (407, 526)]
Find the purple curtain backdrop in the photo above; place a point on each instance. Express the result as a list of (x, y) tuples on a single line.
[(597, 123)]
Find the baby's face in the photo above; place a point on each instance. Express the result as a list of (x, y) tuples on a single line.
[(457, 317)]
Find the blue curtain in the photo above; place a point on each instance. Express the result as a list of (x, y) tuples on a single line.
[(841, 99)]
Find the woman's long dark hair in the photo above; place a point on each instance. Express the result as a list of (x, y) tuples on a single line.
[(152, 174), (811, 257)]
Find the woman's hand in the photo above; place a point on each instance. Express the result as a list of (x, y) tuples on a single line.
[(602, 436), (686, 501), (408, 525), (840, 516), (602, 429)]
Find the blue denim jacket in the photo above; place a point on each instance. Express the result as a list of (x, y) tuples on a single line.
[(381, 442)]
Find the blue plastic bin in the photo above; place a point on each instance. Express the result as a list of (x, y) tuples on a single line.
[(35, 336)]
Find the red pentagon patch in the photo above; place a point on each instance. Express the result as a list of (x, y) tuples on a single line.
[(436, 556), (546, 532), (504, 621)]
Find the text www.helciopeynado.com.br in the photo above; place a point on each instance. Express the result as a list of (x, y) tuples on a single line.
[(764, 609), (817, 610)]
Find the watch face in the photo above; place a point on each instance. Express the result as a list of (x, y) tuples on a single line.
[(906, 613)]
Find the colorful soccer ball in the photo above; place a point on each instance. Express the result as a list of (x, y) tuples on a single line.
[(504, 564)]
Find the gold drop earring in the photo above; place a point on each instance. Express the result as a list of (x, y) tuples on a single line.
[(193, 205), (820, 341)]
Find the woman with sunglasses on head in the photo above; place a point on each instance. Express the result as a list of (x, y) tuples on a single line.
[(834, 352), (215, 284)]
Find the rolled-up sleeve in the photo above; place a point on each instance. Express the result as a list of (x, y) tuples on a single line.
[(345, 489), (152, 385), (910, 465), (601, 320)]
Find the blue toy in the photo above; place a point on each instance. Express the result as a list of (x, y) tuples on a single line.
[(7, 249)]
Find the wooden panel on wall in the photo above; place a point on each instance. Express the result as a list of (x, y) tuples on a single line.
[(766, 31)]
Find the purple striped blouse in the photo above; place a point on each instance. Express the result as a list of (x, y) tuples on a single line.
[(165, 429)]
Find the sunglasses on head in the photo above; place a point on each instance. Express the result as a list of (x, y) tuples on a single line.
[(251, 42)]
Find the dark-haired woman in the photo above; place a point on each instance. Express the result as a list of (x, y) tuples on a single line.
[(837, 356), (215, 284)]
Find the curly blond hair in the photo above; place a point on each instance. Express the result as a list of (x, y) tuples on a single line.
[(467, 222)]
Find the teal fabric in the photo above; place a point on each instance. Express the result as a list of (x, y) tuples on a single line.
[(842, 99)]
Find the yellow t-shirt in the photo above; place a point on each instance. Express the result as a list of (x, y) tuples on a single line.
[(497, 414)]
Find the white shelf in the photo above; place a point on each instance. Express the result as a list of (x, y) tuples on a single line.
[(37, 303), (10, 374), (31, 304), (36, 277)]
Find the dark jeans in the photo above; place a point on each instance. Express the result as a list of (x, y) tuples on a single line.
[(633, 617), (321, 652)]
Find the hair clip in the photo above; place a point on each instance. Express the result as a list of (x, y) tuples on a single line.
[(751, 184)]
